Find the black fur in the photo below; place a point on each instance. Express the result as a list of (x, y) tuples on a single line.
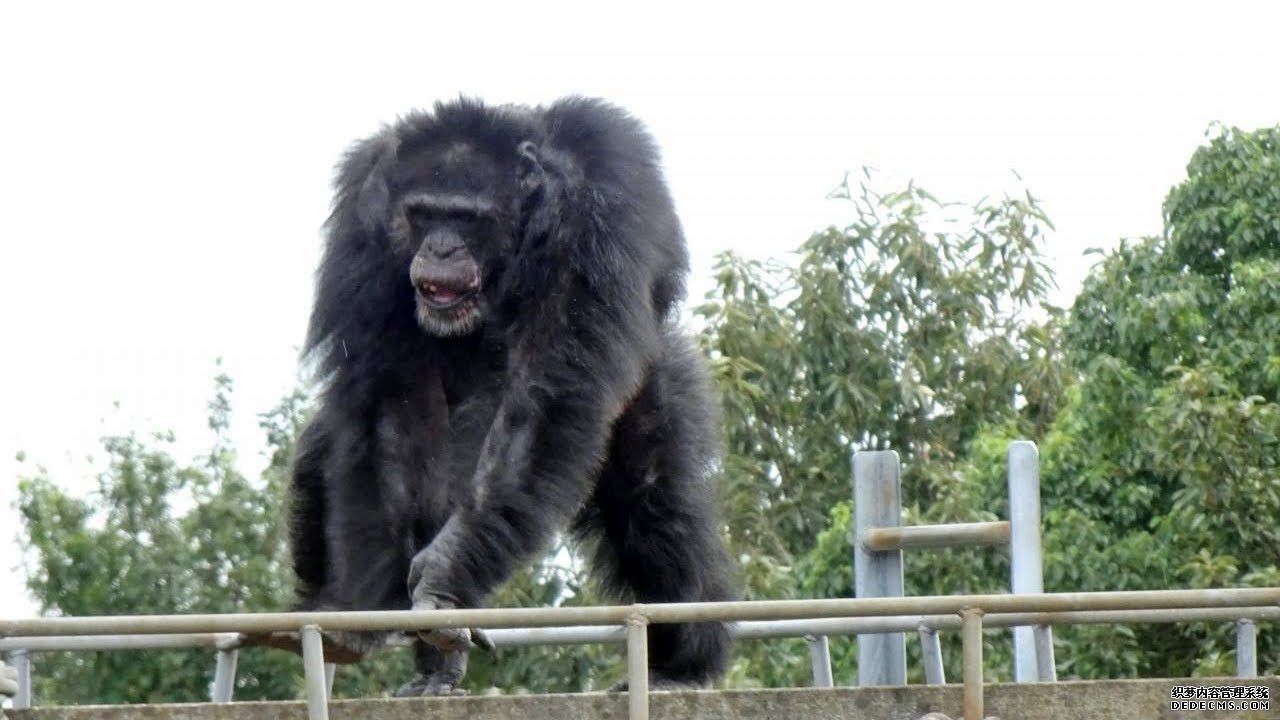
[(448, 448)]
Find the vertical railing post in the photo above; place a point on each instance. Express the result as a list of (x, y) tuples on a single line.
[(877, 502), (637, 667), (1246, 648), (330, 670), (21, 660), (1045, 669), (820, 660), (313, 671), (971, 638), (931, 653), (224, 676), (1032, 646)]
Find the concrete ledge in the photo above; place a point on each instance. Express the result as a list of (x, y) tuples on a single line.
[(1093, 700)]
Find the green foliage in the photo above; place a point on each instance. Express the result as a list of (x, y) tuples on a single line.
[(915, 327), (1162, 469), (1159, 467), (158, 536)]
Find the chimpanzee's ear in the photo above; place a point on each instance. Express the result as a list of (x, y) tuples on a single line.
[(374, 198), (362, 190), (529, 169)]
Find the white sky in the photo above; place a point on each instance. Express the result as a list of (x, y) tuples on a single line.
[(164, 170)]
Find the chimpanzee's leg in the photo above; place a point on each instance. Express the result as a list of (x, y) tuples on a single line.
[(654, 517)]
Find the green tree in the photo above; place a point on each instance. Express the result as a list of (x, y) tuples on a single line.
[(160, 536), (1163, 470), (914, 328)]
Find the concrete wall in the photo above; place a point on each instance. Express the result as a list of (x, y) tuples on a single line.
[(1108, 700)]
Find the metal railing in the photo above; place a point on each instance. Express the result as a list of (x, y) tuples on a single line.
[(971, 614), (880, 539)]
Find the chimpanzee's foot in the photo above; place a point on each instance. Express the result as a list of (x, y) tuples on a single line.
[(434, 685), (438, 672)]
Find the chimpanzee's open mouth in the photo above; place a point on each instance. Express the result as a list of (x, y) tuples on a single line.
[(443, 294)]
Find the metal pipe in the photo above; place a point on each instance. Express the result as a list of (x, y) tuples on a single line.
[(924, 605), (1026, 564), (971, 637), (907, 537), (224, 676), (119, 642), (522, 637), (749, 630), (313, 672), (1034, 609), (528, 637), (877, 505), (765, 629), (770, 629), (637, 667), (330, 670), (22, 661), (1127, 617), (931, 653), (1046, 668), (224, 641), (1246, 648), (820, 660)]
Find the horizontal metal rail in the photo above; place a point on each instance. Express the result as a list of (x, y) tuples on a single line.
[(617, 615), (179, 641), (936, 536), (750, 630), (972, 613)]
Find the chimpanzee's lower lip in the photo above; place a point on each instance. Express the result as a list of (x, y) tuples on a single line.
[(453, 302)]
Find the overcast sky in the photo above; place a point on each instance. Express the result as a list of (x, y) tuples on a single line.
[(164, 171)]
